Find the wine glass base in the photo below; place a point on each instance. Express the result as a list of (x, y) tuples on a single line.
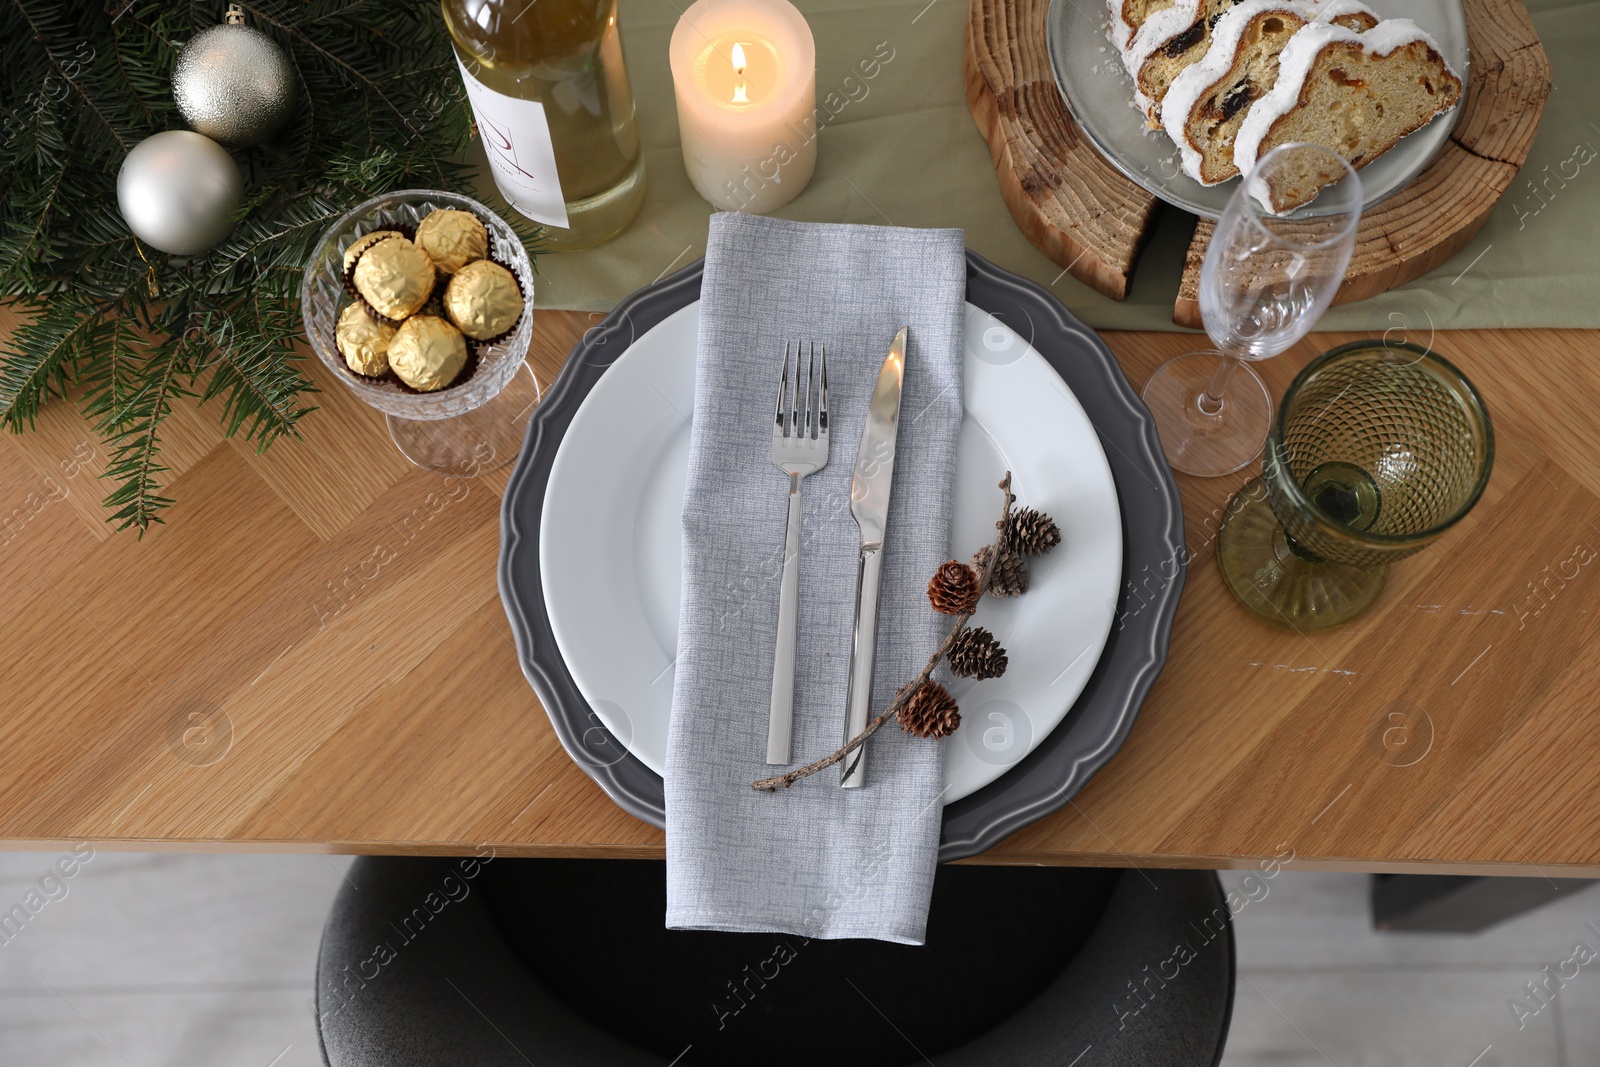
[(484, 439), (1204, 443), (1266, 576)]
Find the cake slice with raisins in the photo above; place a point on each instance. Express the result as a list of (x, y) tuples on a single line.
[(1356, 93), (1129, 16), (1207, 102), (1157, 41)]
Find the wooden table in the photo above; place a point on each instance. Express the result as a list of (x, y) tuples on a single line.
[(311, 654)]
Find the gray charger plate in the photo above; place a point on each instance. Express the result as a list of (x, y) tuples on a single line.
[(1153, 563)]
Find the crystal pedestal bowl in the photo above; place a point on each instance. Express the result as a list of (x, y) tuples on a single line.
[(465, 429)]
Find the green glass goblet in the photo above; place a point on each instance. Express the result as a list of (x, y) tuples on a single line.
[(1378, 448)]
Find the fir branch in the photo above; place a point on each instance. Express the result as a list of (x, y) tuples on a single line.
[(107, 382), (88, 99), (373, 86), (258, 387), (15, 249), (126, 14), (124, 72), (135, 330), (36, 362), (13, 144), (138, 500), (244, 252)]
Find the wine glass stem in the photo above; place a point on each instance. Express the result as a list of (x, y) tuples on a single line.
[(1211, 399)]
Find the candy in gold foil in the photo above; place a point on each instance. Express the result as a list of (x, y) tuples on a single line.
[(364, 242), (483, 300), (427, 353), (395, 277), (452, 239), (363, 341)]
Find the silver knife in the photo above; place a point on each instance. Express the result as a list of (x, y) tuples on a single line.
[(869, 503)]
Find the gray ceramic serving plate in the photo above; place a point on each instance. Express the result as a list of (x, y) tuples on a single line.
[(1099, 93), (1153, 563)]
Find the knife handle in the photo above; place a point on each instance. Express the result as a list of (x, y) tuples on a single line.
[(863, 650)]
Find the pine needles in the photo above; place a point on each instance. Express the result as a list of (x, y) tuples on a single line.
[(129, 331)]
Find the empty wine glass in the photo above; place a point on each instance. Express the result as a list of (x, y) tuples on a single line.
[(1380, 447), (1265, 281)]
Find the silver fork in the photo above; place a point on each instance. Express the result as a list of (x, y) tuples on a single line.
[(799, 448)]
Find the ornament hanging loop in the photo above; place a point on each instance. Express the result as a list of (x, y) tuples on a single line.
[(235, 15), (149, 269)]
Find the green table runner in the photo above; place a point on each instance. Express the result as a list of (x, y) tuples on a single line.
[(901, 149)]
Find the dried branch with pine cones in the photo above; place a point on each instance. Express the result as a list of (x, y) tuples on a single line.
[(1007, 578), (923, 707)]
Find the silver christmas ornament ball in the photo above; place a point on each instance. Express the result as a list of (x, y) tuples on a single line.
[(234, 84), (177, 191)]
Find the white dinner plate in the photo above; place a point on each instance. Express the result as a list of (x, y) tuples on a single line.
[(1099, 93), (611, 541)]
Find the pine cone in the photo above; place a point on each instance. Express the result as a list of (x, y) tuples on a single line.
[(1010, 575), (954, 589), (1032, 533), (976, 654), (931, 712)]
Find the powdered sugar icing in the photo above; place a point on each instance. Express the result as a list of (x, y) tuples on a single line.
[(1198, 78), (1294, 65), (1158, 29)]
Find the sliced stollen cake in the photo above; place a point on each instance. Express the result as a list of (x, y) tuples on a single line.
[(1356, 93), (1127, 16), (1139, 27), (1158, 40), (1208, 101)]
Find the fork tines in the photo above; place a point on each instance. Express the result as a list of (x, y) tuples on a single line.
[(810, 414)]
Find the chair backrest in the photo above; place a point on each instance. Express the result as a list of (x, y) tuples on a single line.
[(434, 961)]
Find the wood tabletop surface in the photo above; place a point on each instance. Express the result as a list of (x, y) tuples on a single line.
[(311, 655)]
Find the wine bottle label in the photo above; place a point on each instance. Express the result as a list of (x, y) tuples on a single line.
[(516, 136)]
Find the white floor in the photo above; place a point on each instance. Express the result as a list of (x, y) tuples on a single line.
[(164, 960), (1318, 987), (206, 961)]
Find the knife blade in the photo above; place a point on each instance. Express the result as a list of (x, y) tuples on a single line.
[(869, 504)]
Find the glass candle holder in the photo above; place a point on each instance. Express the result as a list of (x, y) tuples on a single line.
[(1378, 449), (465, 429)]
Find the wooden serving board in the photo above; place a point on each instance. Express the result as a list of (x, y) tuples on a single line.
[(1082, 213)]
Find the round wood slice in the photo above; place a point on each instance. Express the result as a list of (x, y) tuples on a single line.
[(1087, 217), (1076, 207)]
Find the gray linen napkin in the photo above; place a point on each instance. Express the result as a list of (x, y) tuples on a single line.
[(813, 860)]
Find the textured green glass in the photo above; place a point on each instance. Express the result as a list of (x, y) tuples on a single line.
[(1377, 449)]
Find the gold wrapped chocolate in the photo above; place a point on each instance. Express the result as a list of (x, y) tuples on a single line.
[(452, 239), (363, 341), (483, 300), (427, 353), (395, 277), (364, 242)]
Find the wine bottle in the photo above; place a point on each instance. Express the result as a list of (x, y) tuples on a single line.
[(550, 94)]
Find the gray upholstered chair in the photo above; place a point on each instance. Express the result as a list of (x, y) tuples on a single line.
[(504, 963)]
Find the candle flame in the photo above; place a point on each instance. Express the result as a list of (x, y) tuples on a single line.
[(740, 89)]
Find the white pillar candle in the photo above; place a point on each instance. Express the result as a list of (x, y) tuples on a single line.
[(746, 80)]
